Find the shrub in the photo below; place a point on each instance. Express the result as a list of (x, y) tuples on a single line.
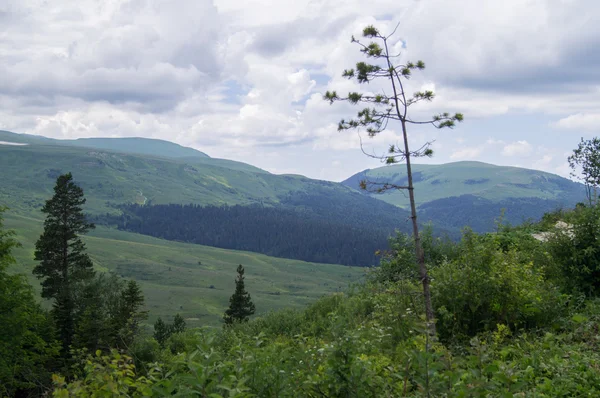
[(487, 286)]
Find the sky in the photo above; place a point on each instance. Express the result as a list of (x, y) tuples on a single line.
[(244, 80)]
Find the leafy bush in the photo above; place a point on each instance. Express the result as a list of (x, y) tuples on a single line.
[(577, 251), (486, 286), (399, 263)]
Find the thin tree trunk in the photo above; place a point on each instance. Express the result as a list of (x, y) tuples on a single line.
[(420, 255)]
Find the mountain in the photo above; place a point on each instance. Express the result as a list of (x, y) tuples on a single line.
[(114, 180), (142, 146), (473, 193)]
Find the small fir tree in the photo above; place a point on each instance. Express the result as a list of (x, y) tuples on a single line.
[(240, 303), (130, 314), (178, 324), (161, 332), (63, 261)]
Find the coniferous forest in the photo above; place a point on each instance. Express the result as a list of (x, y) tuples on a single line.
[(272, 231)]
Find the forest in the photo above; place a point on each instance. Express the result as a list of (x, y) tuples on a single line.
[(273, 231)]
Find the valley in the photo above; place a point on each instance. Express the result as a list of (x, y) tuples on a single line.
[(193, 280)]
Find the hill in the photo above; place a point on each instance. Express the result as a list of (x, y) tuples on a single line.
[(195, 281), (142, 146), (473, 193)]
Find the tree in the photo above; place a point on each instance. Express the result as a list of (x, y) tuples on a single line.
[(392, 106), (240, 304), (130, 314), (108, 313), (162, 331), (178, 324), (586, 159), (26, 338), (63, 261)]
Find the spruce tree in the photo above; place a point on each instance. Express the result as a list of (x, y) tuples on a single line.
[(162, 331), (240, 304), (63, 261), (178, 324), (130, 314)]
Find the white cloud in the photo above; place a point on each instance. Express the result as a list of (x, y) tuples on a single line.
[(468, 153), (518, 148), (580, 121)]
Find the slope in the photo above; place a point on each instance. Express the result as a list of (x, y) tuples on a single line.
[(142, 146), (473, 193), (193, 280)]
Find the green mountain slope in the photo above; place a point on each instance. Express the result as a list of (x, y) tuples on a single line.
[(193, 280), (142, 146), (28, 175), (473, 193)]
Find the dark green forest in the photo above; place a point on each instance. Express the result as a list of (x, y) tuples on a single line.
[(272, 231)]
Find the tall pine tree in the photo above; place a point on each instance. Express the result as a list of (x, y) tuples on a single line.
[(240, 304), (61, 253)]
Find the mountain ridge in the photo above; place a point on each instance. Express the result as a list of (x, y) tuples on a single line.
[(137, 145), (466, 186)]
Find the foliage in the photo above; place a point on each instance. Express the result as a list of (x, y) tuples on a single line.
[(240, 303), (61, 253), (492, 283), (163, 331), (576, 251), (26, 335), (105, 376), (361, 358), (109, 312), (585, 164), (399, 263)]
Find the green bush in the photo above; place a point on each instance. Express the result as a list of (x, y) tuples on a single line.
[(488, 285), (576, 250)]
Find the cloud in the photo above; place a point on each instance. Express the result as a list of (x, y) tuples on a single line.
[(580, 121), (237, 79), (468, 153), (518, 148)]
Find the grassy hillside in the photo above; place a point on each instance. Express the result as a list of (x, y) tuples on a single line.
[(483, 180), (142, 146), (29, 172), (472, 193), (194, 280)]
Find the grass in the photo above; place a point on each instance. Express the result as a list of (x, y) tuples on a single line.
[(195, 281), (109, 178), (494, 183)]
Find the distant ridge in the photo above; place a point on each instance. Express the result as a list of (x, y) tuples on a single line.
[(474, 193), (133, 145)]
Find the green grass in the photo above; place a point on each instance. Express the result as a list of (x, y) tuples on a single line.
[(29, 173), (173, 281), (494, 183)]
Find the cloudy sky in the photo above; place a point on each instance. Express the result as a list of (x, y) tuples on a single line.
[(243, 79)]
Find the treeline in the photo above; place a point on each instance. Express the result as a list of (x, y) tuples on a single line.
[(480, 214), (303, 235)]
